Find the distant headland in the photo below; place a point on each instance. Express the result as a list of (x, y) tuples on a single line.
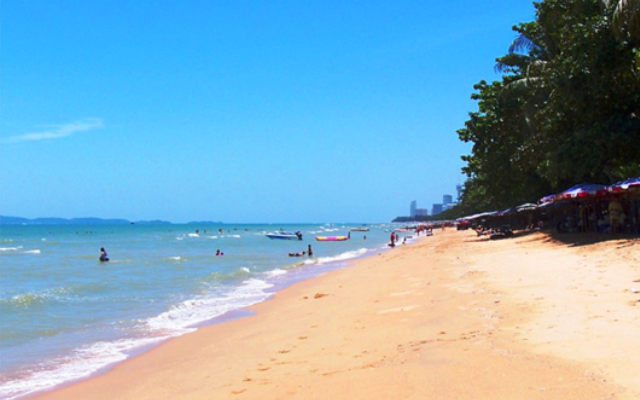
[(6, 220)]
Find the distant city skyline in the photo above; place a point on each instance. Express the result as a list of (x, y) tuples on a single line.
[(436, 208)]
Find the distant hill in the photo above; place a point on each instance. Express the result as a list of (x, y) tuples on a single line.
[(5, 220)]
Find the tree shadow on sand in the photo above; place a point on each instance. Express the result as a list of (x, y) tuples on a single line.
[(589, 238)]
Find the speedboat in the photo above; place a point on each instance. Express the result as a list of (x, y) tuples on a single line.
[(285, 236)]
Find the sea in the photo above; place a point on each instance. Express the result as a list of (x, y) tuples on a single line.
[(65, 316)]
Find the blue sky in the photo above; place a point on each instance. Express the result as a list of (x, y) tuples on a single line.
[(240, 111)]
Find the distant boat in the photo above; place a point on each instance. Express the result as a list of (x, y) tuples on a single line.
[(285, 236), (331, 238), (359, 229)]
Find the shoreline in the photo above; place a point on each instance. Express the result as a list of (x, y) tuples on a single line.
[(308, 269), (451, 316)]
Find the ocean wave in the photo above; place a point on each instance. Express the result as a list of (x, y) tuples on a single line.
[(275, 272), (80, 364), (24, 300), (343, 256), (217, 277), (10, 248), (32, 251), (203, 308), (63, 294)]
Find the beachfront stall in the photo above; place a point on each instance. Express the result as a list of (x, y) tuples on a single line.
[(586, 207)]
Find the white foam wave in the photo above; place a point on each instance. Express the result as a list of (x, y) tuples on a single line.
[(206, 307), (177, 321), (275, 272), (32, 252), (82, 363), (343, 256), (10, 248)]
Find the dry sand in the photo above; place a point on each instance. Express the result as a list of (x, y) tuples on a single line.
[(451, 317)]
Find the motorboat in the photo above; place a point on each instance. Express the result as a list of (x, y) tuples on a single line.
[(285, 236)]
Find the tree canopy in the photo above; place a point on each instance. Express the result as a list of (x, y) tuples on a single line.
[(565, 110)]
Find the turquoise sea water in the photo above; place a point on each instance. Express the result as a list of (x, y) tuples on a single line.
[(64, 315)]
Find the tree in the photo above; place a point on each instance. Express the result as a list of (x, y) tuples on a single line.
[(567, 108), (625, 16)]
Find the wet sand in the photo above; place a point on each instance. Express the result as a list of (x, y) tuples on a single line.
[(453, 316)]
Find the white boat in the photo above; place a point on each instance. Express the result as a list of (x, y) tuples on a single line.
[(285, 236)]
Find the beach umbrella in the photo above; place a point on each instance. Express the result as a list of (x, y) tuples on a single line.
[(479, 215), (526, 207), (508, 211), (547, 199), (632, 183), (582, 190)]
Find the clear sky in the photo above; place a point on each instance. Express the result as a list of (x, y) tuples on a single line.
[(240, 111)]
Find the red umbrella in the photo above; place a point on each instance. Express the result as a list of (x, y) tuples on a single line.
[(623, 186)]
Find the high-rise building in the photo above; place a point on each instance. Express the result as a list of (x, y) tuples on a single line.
[(412, 208), (447, 199), (459, 190), (436, 209)]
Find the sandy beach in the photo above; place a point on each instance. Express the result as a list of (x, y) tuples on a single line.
[(454, 316)]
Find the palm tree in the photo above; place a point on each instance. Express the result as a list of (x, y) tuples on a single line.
[(625, 18), (530, 59)]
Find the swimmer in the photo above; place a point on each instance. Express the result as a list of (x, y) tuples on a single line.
[(103, 255)]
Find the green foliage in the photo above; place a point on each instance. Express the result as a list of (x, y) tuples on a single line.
[(566, 110)]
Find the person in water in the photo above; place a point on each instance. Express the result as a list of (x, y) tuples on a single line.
[(297, 254), (103, 255), (310, 251)]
